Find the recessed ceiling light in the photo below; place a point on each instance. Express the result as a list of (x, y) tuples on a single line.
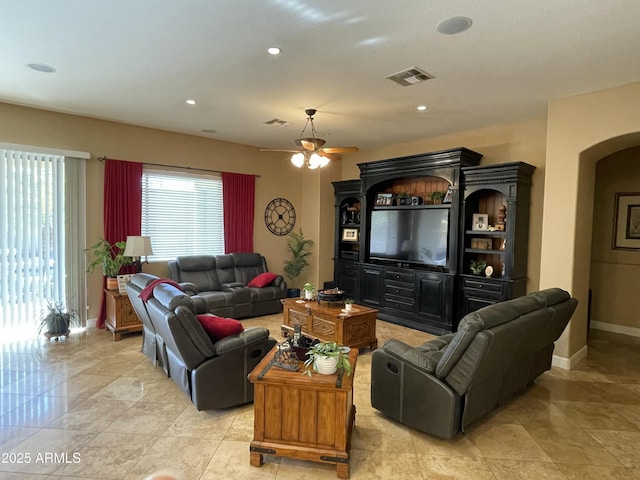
[(274, 50), (191, 102), (422, 108), (41, 67), (454, 25)]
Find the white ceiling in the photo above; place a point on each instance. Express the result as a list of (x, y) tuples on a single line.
[(137, 61)]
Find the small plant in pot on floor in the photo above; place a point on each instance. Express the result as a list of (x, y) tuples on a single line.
[(56, 320), (326, 358)]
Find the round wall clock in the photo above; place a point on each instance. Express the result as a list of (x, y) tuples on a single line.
[(280, 216)]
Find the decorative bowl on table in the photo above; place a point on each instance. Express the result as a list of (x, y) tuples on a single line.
[(331, 295)]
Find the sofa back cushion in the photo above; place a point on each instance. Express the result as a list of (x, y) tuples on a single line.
[(248, 266), (199, 270), (226, 270)]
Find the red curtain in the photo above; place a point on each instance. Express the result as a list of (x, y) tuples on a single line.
[(122, 209), (238, 197)]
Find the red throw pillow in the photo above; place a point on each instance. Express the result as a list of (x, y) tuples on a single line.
[(262, 280), (219, 327)]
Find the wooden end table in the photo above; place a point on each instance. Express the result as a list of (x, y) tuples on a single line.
[(120, 315), (302, 417), (328, 323)]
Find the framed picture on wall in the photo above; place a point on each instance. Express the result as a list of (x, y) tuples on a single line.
[(480, 222), (626, 221)]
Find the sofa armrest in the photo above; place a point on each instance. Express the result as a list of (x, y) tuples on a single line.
[(241, 340), (425, 361), (188, 288)]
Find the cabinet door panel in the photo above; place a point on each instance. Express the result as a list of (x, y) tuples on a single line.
[(371, 292), (435, 296)]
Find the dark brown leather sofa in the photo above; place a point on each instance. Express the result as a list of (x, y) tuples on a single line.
[(212, 375), (445, 384)]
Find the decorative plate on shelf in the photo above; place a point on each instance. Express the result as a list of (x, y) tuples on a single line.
[(488, 271)]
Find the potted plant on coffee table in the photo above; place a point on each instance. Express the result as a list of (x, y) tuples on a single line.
[(110, 258), (308, 291), (326, 358)]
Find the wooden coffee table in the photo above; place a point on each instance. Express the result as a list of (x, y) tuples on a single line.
[(302, 417), (327, 322)]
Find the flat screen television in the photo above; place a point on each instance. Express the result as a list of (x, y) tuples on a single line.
[(410, 235)]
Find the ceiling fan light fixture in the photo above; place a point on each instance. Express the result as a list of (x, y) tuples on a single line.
[(298, 159), (315, 161)]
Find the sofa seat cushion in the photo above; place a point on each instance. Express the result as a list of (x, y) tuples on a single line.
[(217, 299), (262, 280), (265, 294), (219, 327)]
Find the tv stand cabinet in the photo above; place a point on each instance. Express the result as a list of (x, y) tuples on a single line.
[(433, 298)]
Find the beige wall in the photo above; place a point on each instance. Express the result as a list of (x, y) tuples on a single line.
[(100, 138), (581, 131), (614, 273)]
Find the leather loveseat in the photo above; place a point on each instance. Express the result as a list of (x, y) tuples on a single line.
[(211, 374), (445, 384), (220, 284)]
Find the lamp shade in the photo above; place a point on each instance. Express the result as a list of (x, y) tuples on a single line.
[(138, 247)]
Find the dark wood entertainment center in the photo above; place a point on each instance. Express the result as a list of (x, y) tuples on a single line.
[(411, 276)]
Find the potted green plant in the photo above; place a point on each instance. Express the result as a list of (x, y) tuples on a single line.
[(437, 197), (478, 267), (348, 304), (56, 320), (110, 258), (326, 358), (308, 290), (298, 247)]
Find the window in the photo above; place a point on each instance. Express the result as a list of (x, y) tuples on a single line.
[(182, 213)]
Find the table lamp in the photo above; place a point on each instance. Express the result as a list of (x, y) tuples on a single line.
[(138, 247)]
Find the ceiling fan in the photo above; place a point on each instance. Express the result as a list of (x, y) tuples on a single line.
[(313, 153)]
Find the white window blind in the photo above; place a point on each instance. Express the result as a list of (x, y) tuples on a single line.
[(182, 213), (39, 216)]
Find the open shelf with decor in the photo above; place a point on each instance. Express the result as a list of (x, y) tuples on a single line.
[(493, 250)]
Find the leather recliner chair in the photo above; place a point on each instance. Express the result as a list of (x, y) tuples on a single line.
[(445, 384), (212, 375)]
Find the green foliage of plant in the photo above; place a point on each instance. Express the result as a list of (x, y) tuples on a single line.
[(349, 301), (298, 247), (478, 266), (308, 287), (327, 349), (437, 196), (109, 257), (57, 319)]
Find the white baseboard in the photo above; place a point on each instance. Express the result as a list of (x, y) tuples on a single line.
[(615, 328), (569, 363), (91, 322)]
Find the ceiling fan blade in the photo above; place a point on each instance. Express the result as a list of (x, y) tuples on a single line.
[(340, 149), (278, 150), (330, 156)]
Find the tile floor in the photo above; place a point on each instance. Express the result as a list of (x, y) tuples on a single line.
[(89, 408)]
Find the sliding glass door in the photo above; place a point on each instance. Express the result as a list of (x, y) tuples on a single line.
[(39, 217)]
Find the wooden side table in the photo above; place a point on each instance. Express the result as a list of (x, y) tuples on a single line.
[(302, 417), (121, 317), (328, 323)]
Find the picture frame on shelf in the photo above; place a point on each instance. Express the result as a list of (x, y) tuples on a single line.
[(448, 195), (626, 221), (480, 222), (384, 199), (481, 243), (349, 234)]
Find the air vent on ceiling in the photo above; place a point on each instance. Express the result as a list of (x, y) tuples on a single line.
[(410, 76), (276, 122)]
